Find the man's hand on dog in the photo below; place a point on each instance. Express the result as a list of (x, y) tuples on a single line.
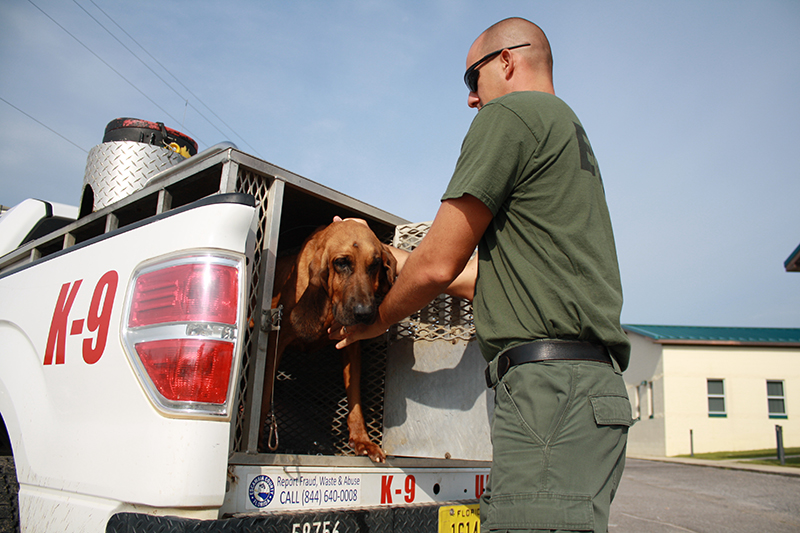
[(337, 218), (347, 335)]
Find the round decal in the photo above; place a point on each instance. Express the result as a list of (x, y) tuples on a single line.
[(261, 491)]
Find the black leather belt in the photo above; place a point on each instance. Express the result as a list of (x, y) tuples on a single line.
[(548, 350)]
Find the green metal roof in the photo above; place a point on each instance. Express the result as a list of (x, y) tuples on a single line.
[(716, 335)]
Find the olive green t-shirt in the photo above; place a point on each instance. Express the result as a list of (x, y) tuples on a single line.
[(547, 263)]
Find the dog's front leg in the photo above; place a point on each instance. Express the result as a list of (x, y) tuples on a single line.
[(359, 439)]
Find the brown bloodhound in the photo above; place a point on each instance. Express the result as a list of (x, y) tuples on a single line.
[(340, 275)]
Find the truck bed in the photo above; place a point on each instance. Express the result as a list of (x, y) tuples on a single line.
[(313, 469)]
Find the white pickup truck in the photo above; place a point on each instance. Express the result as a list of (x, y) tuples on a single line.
[(133, 335)]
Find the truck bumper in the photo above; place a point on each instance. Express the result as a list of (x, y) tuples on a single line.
[(423, 518)]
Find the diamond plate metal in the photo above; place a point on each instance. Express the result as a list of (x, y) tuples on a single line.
[(116, 169)]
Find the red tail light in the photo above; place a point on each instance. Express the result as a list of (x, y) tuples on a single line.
[(183, 335), (188, 370), (187, 292)]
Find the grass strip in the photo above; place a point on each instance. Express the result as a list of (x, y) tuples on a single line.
[(764, 457)]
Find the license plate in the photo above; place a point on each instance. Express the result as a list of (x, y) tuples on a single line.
[(460, 518)]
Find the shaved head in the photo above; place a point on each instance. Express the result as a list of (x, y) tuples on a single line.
[(514, 31)]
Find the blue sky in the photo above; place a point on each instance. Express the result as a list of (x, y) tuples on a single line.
[(691, 108)]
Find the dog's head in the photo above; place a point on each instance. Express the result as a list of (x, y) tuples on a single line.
[(349, 271)]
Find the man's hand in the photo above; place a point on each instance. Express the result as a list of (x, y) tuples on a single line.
[(431, 269), (348, 335), (337, 218)]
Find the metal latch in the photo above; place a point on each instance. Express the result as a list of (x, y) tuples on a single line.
[(271, 319)]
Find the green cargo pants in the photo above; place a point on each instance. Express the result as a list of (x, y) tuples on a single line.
[(558, 435)]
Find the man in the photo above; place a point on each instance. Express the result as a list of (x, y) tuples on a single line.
[(528, 192)]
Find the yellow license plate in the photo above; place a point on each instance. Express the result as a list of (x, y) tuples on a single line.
[(460, 518)]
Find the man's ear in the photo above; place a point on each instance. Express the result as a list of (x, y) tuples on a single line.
[(508, 63)]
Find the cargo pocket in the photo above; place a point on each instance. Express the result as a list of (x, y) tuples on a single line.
[(612, 410), (543, 510)]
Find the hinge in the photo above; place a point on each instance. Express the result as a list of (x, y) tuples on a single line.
[(271, 319)]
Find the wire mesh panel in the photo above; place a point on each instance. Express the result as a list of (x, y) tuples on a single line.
[(311, 402), (257, 185), (446, 318)]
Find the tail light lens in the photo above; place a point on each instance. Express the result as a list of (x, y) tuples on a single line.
[(184, 293), (182, 333), (188, 370)]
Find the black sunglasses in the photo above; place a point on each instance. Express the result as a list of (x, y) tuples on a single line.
[(471, 75)]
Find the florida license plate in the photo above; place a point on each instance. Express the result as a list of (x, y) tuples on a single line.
[(460, 518)]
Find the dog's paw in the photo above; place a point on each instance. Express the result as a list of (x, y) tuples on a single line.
[(368, 448)]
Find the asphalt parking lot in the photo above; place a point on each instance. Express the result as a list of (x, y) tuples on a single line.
[(665, 497)]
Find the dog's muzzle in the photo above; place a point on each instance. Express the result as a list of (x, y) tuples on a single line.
[(364, 314)]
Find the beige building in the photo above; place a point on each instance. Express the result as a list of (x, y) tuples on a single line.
[(707, 389)]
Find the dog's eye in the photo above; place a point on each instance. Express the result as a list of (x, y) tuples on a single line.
[(374, 266), (342, 265)]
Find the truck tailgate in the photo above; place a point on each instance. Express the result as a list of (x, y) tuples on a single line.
[(89, 429)]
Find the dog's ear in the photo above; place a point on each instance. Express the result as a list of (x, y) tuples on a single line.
[(308, 316), (389, 270)]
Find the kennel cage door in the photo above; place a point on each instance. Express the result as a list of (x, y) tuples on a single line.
[(437, 404)]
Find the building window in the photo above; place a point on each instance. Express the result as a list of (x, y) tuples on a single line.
[(716, 398), (776, 399), (651, 406)]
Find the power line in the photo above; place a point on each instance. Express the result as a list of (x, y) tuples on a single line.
[(144, 63), (128, 49), (148, 67), (44, 125), (109, 66), (168, 72)]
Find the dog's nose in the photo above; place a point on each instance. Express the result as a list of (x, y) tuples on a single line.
[(364, 314)]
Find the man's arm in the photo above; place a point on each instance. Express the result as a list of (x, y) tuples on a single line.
[(431, 268), (461, 287)]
